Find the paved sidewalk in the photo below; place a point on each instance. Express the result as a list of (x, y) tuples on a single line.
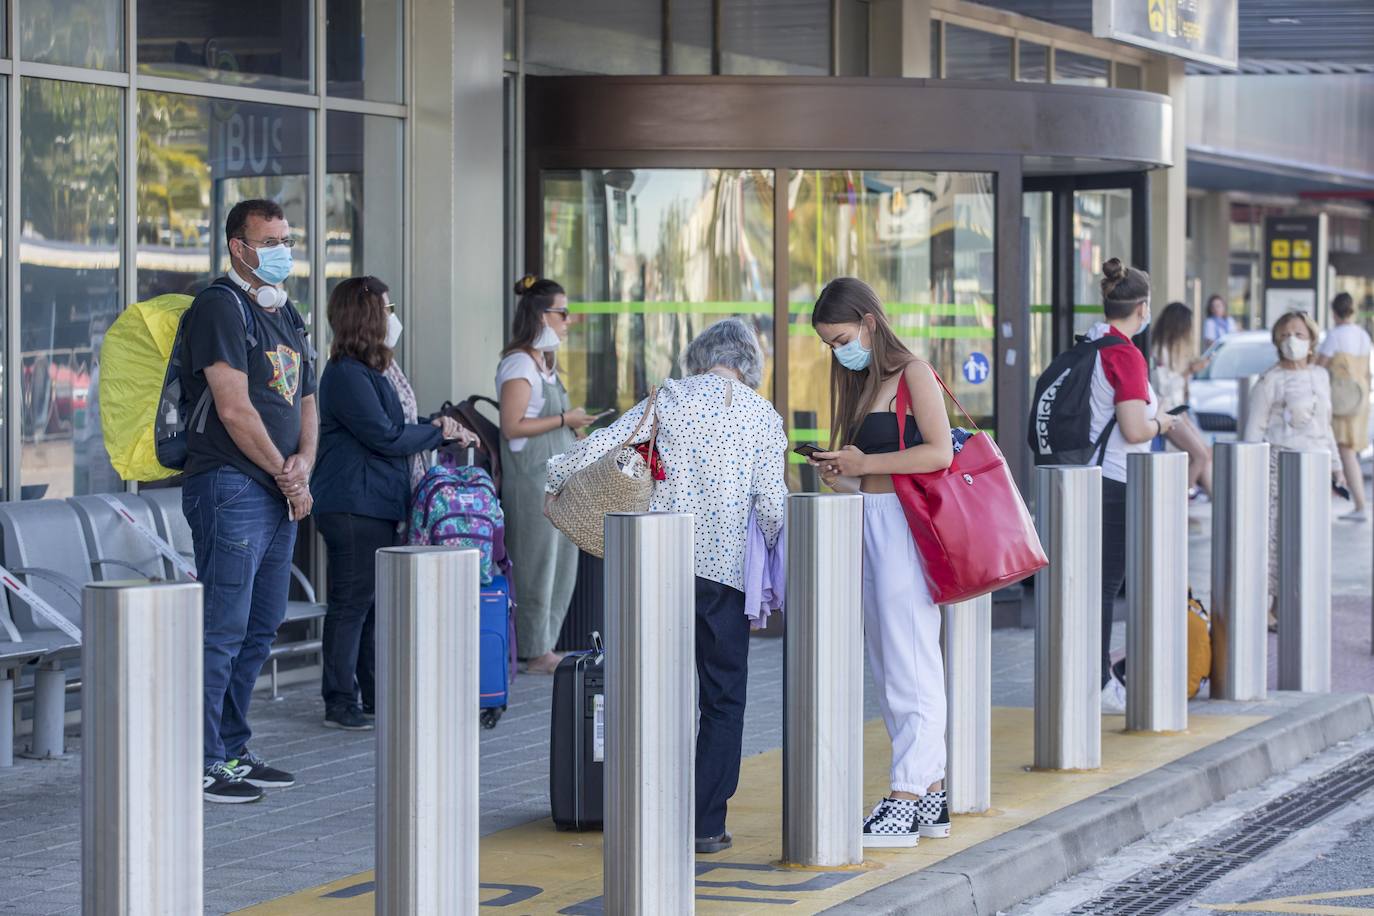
[(322, 830)]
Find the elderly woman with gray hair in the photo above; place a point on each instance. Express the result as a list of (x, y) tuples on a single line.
[(724, 451)]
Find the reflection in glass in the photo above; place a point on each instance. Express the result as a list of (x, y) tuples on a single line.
[(69, 280), (970, 54), (925, 242), (363, 199), (594, 36), (1073, 69), (775, 39), (1034, 63), (1037, 210), (364, 49), (260, 43), (690, 30), (77, 33), (852, 40), (1101, 230), (649, 258), (196, 159)]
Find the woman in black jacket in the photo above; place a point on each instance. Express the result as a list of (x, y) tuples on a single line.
[(370, 448)]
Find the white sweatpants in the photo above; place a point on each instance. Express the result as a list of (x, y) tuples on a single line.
[(902, 633)]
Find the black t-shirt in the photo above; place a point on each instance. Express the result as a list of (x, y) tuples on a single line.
[(279, 368)]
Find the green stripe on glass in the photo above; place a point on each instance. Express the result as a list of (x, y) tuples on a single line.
[(914, 308), (670, 308), (926, 333)]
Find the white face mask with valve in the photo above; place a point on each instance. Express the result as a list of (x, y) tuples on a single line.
[(547, 340)]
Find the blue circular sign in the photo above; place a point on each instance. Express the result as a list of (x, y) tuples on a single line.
[(977, 368)]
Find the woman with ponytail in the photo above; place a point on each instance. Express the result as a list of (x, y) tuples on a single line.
[(536, 424)]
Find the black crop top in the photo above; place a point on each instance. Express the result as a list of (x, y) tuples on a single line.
[(878, 433)]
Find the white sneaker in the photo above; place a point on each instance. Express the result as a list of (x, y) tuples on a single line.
[(1114, 698), (893, 824), (1354, 515)]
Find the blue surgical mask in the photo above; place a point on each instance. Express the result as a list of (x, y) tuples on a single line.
[(274, 264), (854, 356)]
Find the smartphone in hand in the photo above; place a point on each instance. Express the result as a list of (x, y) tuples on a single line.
[(807, 450), (1180, 409)]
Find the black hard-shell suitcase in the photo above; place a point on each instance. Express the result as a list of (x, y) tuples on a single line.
[(586, 611), (577, 745)]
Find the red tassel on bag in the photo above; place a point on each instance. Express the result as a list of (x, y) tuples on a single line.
[(969, 522)]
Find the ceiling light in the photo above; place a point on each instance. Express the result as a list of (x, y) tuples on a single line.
[(1284, 20)]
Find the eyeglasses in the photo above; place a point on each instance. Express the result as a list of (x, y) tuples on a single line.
[(562, 313), (288, 242), (390, 306)]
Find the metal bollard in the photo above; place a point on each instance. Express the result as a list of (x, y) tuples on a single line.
[(1304, 599), (823, 676), (6, 718), (1240, 582), (649, 862), (141, 807), (1244, 385), (968, 689), (1068, 609), (1157, 591), (427, 734)]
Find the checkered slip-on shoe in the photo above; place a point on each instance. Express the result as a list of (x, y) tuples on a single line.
[(893, 823), (932, 815)]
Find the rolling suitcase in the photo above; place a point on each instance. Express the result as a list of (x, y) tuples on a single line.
[(577, 746), (586, 611), (496, 653)]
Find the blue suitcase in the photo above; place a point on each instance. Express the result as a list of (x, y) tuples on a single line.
[(496, 650)]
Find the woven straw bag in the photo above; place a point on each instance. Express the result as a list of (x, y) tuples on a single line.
[(580, 509)]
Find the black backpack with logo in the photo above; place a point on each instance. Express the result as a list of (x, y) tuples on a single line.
[(1061, 413)]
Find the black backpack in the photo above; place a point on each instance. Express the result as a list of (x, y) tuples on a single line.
[(1061, 413)]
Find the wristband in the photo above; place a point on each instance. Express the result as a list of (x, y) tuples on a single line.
[(562, 420)]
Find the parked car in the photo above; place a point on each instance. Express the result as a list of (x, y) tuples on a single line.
[(1215, 391)]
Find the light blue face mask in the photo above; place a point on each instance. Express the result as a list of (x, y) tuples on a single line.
[(274, 264), (854, 356)]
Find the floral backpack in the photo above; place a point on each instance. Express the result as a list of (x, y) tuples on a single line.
[(457, 507)]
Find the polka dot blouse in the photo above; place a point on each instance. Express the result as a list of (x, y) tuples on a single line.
[(724, 449)]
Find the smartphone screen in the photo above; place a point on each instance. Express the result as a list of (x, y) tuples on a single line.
[(807, 451), (1180, 409)]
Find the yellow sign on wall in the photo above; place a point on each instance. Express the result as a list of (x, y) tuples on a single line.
[(1278, 270), (1280, 248), (1302, 270), (1302, 248)]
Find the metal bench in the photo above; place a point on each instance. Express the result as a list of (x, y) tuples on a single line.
[(172, 525), (45, 546), (117, 550)]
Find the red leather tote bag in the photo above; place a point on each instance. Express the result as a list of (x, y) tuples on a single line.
[(969, 523)]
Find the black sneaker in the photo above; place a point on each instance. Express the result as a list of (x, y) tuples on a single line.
[(712, 844), (932, 815), (893, 823), (255, 771), (223, 785), (350, 718), (370, 710)]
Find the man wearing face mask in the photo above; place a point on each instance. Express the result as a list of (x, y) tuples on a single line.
[(248, 366), (373, 450)]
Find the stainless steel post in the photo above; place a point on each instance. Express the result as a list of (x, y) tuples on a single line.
[(141, 825), (649, 861), (427, 696), (1304, 599), (1068, 610), (968, 689), (1157, 591), (6, 718), (823, 682), (1243, 388), (1240, 580), (49, 711)]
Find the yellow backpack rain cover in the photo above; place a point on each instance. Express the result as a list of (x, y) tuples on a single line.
[(133, 366)]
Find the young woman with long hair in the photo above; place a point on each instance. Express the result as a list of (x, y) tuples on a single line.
[(537, 422), (1175, 361), (901, 622)]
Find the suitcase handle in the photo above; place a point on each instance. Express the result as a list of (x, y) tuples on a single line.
[(597, 645)]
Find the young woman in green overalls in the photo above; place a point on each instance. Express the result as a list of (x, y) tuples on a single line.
[(537, 423)]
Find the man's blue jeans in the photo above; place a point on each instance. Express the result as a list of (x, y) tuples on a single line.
[(243, 543)]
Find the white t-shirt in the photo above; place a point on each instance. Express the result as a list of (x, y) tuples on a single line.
[(1345, 338), (521, 365)]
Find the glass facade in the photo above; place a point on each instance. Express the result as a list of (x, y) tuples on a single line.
[(775, 37), (112, 212), (1101, 230), (650, 257), (971, 54), (594, 36), (1074, 69)]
